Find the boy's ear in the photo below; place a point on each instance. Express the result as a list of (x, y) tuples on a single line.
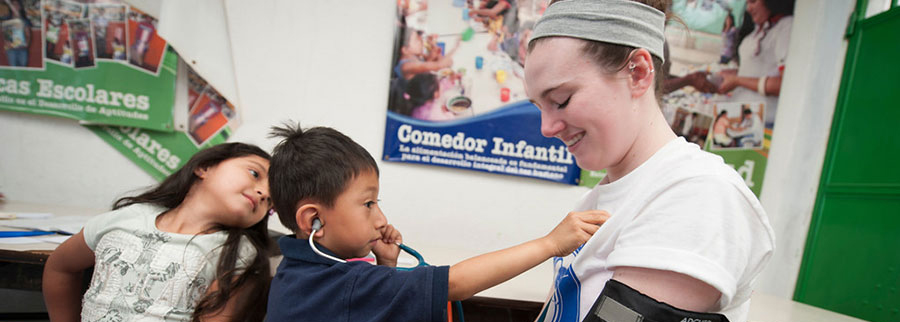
[(304, 217)]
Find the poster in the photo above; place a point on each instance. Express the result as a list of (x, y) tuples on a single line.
[(99, 62), (721, 47), (211, 120), (457, 96)]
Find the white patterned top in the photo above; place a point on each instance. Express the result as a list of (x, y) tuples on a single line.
[(144, 274)]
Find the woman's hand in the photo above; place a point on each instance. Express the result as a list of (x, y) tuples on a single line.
[(729, 83), (575, 230), (700, 83)]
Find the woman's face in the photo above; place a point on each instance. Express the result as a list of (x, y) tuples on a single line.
[(588, 109), (758, 11)]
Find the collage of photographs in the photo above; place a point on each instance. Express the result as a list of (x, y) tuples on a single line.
[(209, 111), (457, 59), (78, 34), (721, 44)]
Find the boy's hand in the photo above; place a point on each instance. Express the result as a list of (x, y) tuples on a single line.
[(386, 249), (575, 230)]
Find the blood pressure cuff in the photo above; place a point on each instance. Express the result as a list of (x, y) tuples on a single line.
[(620, 303)]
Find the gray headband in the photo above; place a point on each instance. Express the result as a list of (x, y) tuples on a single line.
[(620, 22)]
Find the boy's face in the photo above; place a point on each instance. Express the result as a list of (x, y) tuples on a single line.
[(355, 223)]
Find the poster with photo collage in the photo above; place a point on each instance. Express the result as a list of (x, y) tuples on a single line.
[(99, 62)]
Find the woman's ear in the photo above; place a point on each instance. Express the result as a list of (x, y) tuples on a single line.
[(641, 72), (305, 216)]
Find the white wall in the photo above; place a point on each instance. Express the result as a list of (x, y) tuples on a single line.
[(805, 110), (328, 63)]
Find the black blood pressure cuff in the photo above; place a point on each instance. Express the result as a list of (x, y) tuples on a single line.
[(620, 303)]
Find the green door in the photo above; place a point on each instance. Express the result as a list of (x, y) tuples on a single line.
[(851, 263)]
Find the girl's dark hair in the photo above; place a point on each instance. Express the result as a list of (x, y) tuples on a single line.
[(416, 91), (776, 7), (251, 283), (745, 30), (780, 7), (721, 114), (421, 89), (614, 57)]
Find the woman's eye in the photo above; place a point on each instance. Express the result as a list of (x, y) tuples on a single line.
[(254, 173), (564, 104), (369, 204)]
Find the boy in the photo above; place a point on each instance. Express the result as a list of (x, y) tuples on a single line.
[(319, 174)]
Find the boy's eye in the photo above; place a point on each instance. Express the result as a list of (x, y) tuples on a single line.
[(369, 204), (254, 173)]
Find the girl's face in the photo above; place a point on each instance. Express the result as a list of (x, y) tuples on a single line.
[(238, 189), (414, 45), (355, 223), (758, 11), (583, 106)]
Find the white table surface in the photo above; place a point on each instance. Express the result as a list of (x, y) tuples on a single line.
[(57, 211)]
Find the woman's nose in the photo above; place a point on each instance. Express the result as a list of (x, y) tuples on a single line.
[(550, 124)]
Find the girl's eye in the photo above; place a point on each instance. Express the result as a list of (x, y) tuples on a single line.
[(564, 104), (254, 173)]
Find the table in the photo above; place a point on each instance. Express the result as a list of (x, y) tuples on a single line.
[(21, 267)]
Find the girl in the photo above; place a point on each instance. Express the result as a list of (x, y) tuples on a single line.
[(195, 247), (684, 228)]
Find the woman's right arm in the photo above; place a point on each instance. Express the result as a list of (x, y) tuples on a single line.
[(62, 278)]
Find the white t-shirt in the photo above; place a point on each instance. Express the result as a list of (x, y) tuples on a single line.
[(773, 51), (144, 274), (683, 210)]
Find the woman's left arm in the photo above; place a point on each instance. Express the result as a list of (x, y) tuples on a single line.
[(676, 289)]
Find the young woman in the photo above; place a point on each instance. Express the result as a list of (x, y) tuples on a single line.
[(684, 228)]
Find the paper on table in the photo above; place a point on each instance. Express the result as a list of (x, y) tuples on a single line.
[(19, 240), (33, 215), (68, 224), (57, 239)]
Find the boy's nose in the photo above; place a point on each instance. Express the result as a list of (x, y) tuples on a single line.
[(381, 219)]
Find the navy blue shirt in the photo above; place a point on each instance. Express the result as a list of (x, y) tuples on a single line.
[(309, 287)]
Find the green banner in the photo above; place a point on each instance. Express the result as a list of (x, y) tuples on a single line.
[(112, 93), (211, 119), (99, 63), (158, 153)]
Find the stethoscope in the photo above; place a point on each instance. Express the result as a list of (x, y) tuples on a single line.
[(317, 225)]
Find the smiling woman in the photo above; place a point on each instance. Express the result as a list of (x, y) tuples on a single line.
[(598, 93)]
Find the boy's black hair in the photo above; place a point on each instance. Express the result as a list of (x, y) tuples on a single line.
[(312, 165)]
